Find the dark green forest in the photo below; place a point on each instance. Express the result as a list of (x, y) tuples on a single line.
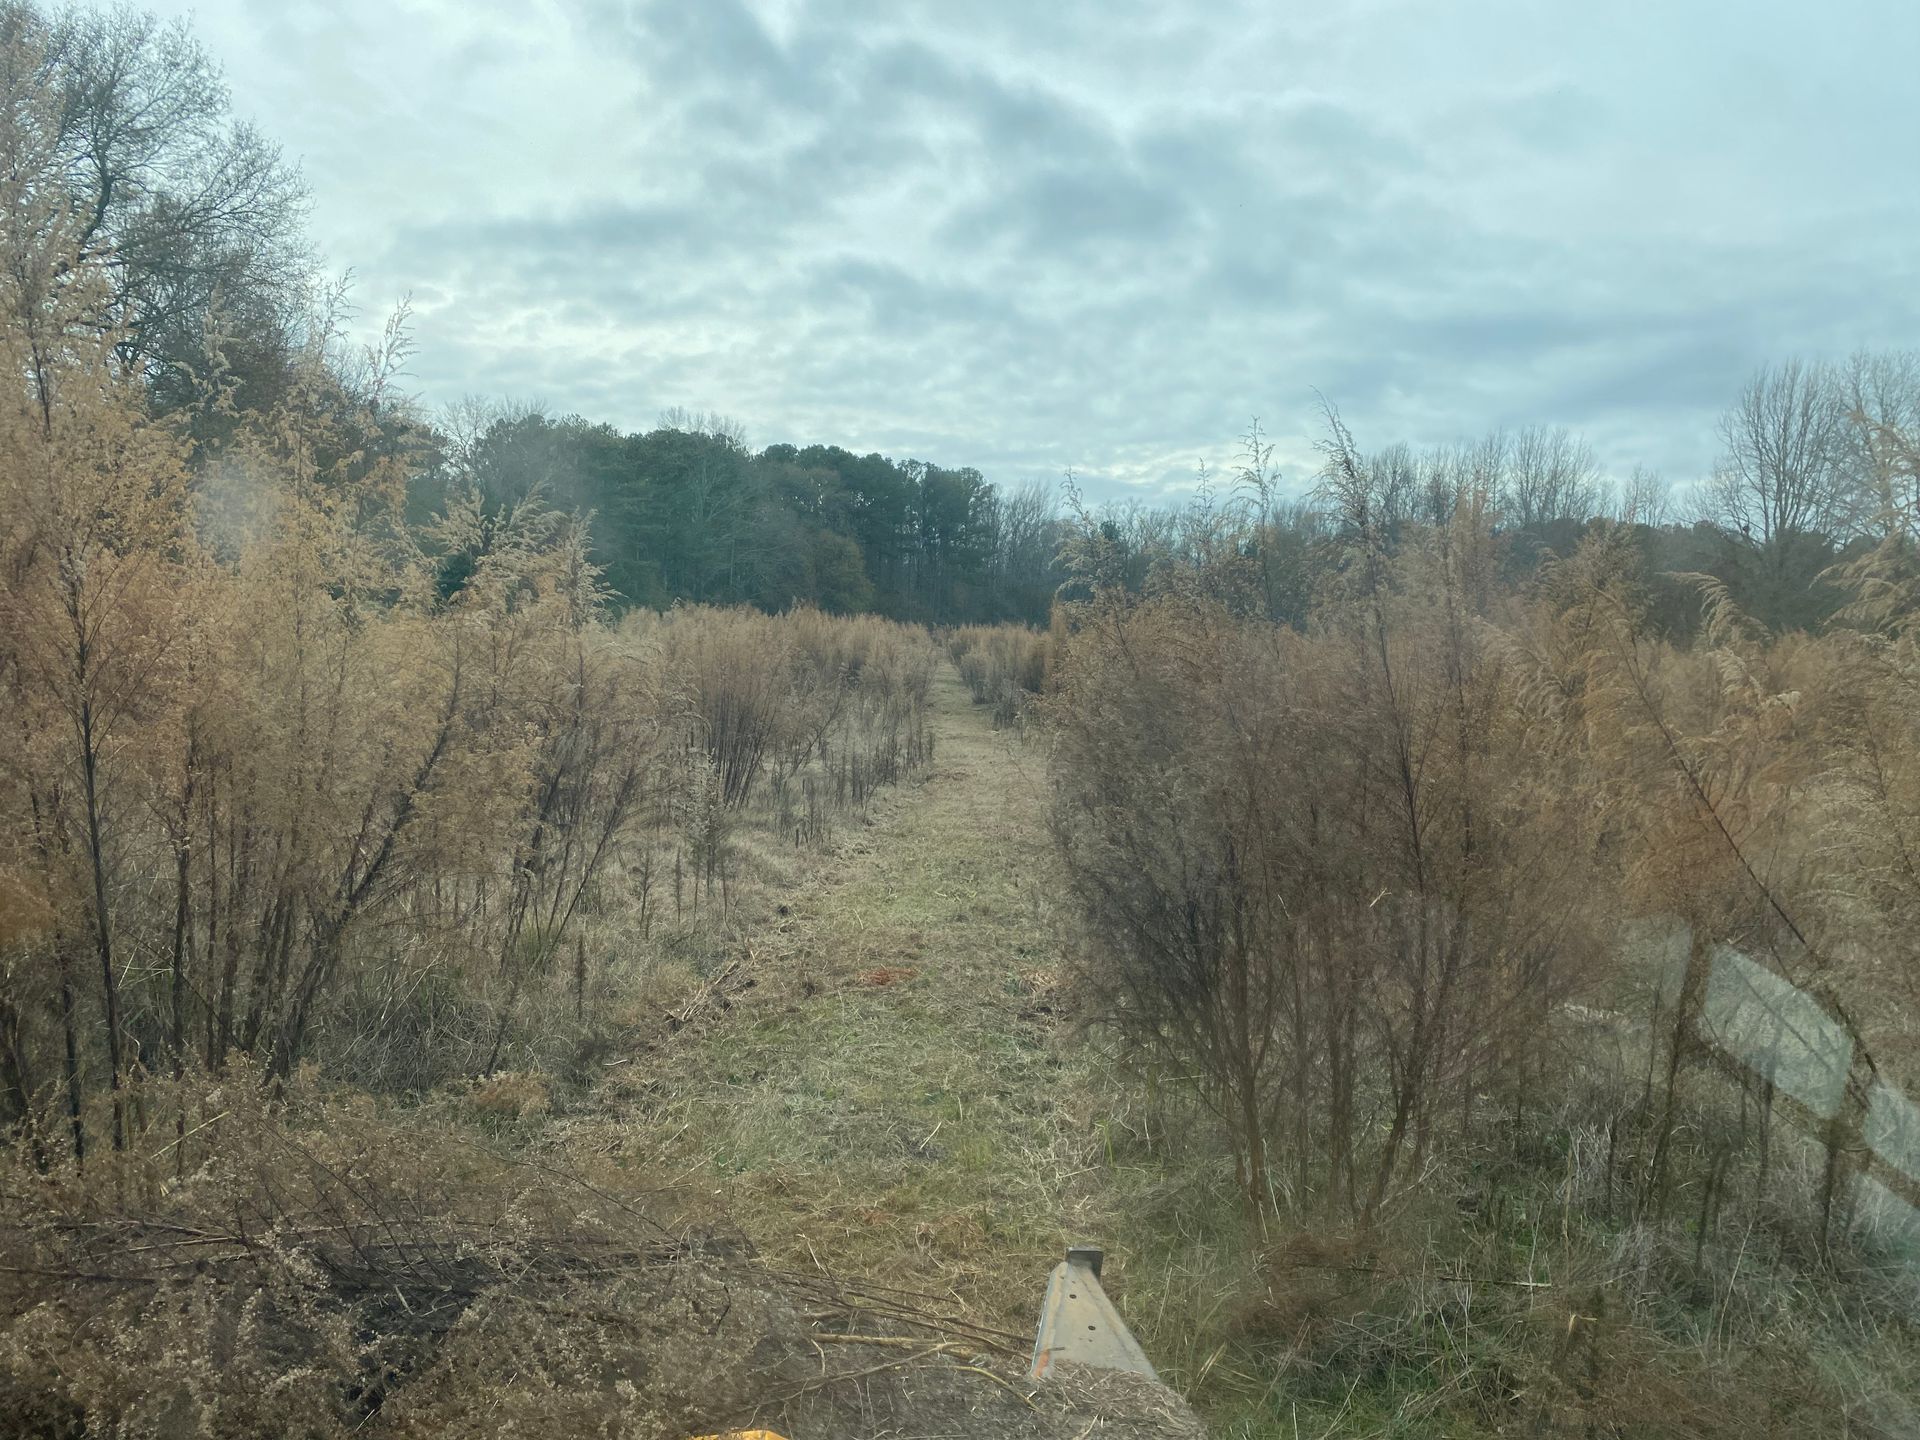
[(687, 511)]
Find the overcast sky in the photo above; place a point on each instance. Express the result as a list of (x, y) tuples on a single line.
[(1031, 235)]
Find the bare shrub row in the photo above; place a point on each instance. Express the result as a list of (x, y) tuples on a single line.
[(288, 774), (1003, 666), (1379, 888)]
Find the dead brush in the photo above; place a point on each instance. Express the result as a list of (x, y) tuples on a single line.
[(310, 1263), (324, 1271), (798, 698), (735, 665), (1002, 666), (1311, 1281)]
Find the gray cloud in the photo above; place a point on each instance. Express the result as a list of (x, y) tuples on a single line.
[(1104, 235)]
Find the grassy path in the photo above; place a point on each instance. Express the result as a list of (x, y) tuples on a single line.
[(897, 1099), (891, 1096)]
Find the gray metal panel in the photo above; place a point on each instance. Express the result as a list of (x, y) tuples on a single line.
[(1893, 1127), (1777, 1030), (1078, 1324)]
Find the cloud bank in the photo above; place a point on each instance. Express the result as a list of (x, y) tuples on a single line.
[(1104, 236)]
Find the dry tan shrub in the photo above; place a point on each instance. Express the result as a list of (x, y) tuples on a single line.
[(516, 1095), (1249, 816), (1002, 666), (1311, 1280)]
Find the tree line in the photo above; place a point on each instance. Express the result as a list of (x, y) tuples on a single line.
[(194, 223), (688, 512), (1802, 484)]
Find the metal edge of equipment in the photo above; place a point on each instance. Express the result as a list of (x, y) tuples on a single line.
[(1078, 1323)]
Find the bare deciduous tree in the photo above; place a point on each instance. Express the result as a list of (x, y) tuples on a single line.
[(1645, 498), (194, 217), (1781, 470), (1549, 475), (1880, 393)]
